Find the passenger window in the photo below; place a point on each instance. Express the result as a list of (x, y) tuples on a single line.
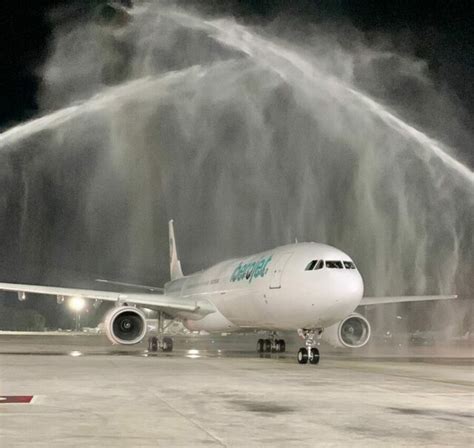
[(311, 265), (349, 265), (333, 264)]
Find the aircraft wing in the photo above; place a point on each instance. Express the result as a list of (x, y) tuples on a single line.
[(400, 299), (131, 285), (159, 302)]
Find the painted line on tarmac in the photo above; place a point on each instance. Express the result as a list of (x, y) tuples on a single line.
[(16, 399)]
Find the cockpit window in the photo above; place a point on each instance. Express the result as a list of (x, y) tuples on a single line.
[(314, 265), (332, 264)]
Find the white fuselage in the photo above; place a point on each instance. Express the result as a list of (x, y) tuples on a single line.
[(273, 290)]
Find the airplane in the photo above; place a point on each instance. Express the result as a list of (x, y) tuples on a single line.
[(309, 287)]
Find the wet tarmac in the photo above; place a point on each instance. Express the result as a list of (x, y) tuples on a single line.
[(219, 392)]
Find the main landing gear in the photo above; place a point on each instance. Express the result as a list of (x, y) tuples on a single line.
[(309, 353), (271, 345), (164, 343)]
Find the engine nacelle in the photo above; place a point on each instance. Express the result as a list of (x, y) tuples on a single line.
[(353, 332), (125, 325)]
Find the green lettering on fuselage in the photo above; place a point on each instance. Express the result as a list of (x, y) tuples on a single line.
[(251, 270)]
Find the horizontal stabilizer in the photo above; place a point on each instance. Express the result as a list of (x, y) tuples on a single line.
[(400, 299)]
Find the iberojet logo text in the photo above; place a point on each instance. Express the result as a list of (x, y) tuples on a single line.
[(251, 270)]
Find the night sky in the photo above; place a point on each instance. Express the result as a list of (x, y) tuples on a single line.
[(439, 32)]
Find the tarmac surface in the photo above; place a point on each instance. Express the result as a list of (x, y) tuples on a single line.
[(219, 392)]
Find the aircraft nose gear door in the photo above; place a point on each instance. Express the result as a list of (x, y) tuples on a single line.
[(277, 269)]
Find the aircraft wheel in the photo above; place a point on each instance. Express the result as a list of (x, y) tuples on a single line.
[(152, 344), (268, 345), (314, 356), (302, 355), (260, 346), (282, 345), (277, 347), (167, 344)]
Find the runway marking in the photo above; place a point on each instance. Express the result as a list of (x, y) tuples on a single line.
[(191, 420), (18, 399)]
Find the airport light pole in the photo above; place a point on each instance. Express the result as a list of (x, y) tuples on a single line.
[(77, 304)]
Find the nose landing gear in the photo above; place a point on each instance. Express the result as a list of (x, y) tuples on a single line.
[(309, 353)]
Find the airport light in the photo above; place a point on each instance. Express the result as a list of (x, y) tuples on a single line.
[(77, 304)]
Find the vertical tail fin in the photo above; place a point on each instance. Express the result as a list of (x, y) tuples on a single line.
[(175, 264)]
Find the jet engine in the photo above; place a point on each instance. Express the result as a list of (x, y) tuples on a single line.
[(125, 325), (353, 332)]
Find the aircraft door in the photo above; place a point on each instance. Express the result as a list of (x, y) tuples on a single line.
[(277, 269)]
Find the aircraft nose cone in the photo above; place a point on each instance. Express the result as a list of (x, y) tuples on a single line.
[(347, 293), (354, 287)]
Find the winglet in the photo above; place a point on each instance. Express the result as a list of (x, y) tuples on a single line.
[(175, 265)]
